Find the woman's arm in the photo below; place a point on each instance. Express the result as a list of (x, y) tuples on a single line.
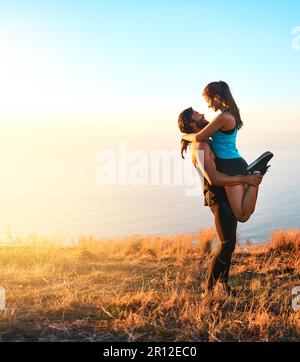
[(190, 137), (207, 131)]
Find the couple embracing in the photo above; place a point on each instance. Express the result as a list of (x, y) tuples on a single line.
[(230, 185)]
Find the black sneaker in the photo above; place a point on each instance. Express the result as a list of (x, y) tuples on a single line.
[(261, 163), (262, 171)]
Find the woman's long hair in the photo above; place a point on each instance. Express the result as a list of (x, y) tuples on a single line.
[(221, 90)]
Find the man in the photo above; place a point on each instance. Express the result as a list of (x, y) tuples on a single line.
[(190, 121)]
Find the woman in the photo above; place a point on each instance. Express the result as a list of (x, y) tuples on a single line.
[(223, 130)]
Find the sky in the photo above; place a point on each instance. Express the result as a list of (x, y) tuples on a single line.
[(129, 67), (80, 76)]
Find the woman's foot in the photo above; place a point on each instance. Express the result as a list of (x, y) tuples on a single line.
[(261, 163), (262, 171)]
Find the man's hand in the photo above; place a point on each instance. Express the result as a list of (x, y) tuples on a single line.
[(254, 180), (184, 146)]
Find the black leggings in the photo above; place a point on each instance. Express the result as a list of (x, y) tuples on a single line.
[(226, 225)]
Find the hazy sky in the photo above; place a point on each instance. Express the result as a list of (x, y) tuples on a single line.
[(76, 76), (88, 68), (79, 76)]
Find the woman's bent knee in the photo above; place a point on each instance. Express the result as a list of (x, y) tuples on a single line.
[(241, 217)]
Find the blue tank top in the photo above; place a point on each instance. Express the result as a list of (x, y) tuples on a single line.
[(224, 144)]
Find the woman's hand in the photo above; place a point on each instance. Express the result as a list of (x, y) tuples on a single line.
[(190, 137)]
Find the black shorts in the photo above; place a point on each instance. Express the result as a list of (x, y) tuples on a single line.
[(232, 166)]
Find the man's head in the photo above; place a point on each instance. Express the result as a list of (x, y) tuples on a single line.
[(190, 121)]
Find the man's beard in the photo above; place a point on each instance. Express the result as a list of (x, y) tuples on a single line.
[(202, 124)]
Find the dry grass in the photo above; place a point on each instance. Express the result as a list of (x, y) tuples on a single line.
[(285, 241), (147, 288)]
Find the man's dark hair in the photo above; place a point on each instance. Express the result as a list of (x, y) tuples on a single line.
[(184, 120)]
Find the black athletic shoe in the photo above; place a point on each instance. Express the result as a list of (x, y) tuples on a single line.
[(262, 171), (261, 163)]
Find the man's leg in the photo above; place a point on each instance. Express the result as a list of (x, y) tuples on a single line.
[(226, 225)]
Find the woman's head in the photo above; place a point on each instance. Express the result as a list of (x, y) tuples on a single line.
[(190, 121), (218, 96)]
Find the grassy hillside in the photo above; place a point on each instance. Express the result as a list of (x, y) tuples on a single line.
[(147, 288)]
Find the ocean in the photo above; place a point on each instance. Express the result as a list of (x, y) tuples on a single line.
[(60, 196)]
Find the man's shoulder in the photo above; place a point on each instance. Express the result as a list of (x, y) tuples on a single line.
[(206, 147), (202, 145), (206, 143)]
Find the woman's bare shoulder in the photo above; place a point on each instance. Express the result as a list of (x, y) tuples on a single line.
[(227, 119)]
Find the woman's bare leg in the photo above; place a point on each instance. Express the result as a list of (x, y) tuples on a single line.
[(242, 199), (250, 198)]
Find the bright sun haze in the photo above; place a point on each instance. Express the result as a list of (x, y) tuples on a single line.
[(76, 77)]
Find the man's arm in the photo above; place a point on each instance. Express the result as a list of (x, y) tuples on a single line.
[(210, 172)]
